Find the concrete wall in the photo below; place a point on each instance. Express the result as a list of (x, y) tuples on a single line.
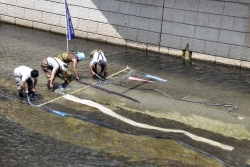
[(217, 31)]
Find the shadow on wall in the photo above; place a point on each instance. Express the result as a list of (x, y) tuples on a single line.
[(133, 24)]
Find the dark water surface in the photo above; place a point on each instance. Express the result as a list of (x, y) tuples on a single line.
[(205, 99)]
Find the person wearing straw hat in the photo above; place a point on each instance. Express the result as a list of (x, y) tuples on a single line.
[(24, 74), (52, 66), (98, 58), (73, 57)]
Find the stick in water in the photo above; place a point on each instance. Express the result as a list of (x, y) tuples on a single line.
[(99, 77)]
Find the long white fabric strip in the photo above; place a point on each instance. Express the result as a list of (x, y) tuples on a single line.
[(131, 122)]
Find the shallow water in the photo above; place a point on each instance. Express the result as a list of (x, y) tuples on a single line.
[(33, 137)]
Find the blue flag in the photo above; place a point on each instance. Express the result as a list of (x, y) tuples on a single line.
[(70, 29)]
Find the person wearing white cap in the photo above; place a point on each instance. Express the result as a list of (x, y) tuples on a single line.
[(73, 57), (98, 58), (53, 66)]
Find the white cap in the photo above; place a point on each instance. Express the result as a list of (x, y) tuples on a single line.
[(64, 67)]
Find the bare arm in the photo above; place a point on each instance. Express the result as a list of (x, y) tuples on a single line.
[(51, 80), (90, 67), (75, 68), (64, 76), (23, 86), (105, 68), (35, 82)]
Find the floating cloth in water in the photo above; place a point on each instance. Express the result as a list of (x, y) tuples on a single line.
[(154, 77), (138, 79), (141, 125), (59, 113), (131, 122)]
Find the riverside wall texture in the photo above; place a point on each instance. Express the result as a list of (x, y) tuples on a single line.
[(216, 31)]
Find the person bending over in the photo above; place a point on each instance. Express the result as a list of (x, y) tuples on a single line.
[(68, 57), (24, 74), (52, 66), (98, 58)]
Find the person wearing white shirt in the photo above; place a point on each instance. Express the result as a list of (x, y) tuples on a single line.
[(98, 58), (53, 66), (24, 74)]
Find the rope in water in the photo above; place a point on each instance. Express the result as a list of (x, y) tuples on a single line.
[(63, 114), (230, 106), (143, 125), (192, 101), (83, 88), (112, 127), (108, 91)]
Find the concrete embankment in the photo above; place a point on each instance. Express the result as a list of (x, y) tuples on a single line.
[(216, 31)]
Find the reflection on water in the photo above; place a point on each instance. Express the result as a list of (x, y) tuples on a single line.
[(33, 137)]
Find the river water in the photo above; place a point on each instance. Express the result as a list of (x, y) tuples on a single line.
[(205, 99)]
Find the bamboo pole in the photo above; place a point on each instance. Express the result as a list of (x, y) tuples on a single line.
[(82, 88), (49, 101)]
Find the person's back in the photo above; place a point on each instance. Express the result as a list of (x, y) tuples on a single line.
[(23, 72), (73, 57), (99, 58), (55, 63), (51, 67), (67, 57)]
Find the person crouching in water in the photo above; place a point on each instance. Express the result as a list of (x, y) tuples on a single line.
[(52, 66), (24, 74), (68, 57), (98, 58)]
